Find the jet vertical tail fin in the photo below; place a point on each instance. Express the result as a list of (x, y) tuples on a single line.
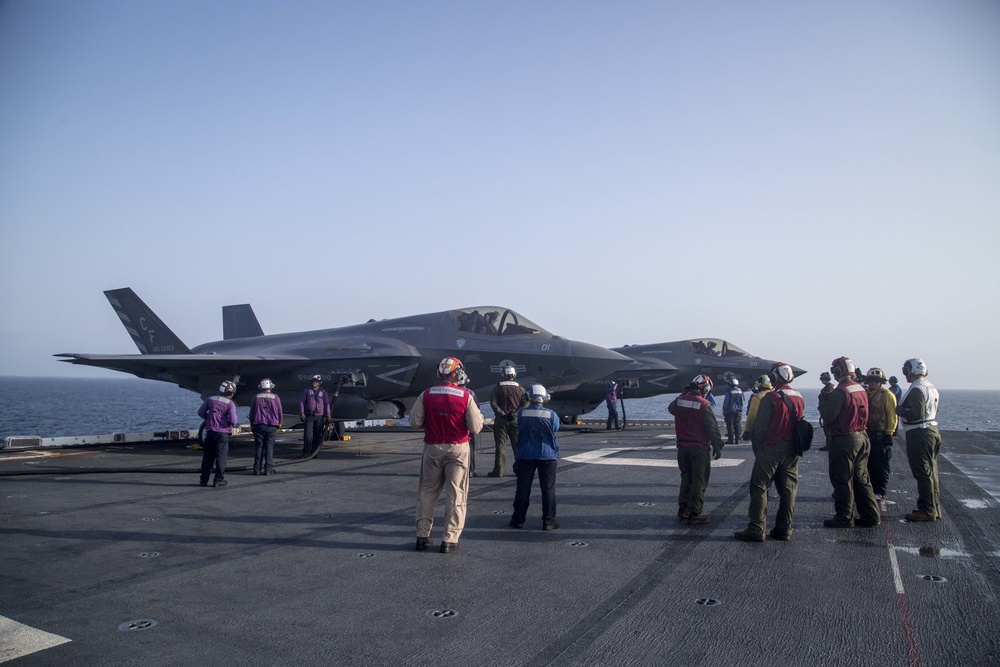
[(148, 331), (240, 322)]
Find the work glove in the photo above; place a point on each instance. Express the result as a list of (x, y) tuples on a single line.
[(302, 416), (746, 437), (716, 453)]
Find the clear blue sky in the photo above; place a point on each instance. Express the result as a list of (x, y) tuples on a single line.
[(804, 179)]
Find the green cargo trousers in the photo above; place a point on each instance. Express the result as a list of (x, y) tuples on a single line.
[(778, 463), (849, 477), (504, 431), (922, 447), (695, 465)]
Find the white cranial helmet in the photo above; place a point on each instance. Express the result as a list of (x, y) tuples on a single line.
[(915, 366)]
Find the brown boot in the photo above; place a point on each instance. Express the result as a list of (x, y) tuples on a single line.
[(747, 536)]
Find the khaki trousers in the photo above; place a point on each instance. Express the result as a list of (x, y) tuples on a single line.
[(443, 467)]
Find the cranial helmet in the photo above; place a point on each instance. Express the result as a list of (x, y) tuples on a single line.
[(538, 394), (842, 367), (781, 373), (733, 382), (265, 384), (824, 377), (451, 369), (875, 375), (915, 366), (508, 371), (702, 384), (763, 382), (227, 388), (316, 378)]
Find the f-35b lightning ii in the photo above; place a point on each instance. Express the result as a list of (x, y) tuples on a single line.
[(665, 368), (382, 365)]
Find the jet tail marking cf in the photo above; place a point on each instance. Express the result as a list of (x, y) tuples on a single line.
[(148, 331)]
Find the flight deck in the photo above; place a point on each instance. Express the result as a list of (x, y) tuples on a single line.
[(108, 562)]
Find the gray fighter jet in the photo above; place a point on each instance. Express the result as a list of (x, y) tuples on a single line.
[(382, 365), (666, 368)]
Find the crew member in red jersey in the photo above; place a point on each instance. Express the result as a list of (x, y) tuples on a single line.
[(698, 441), (775, 458), (845, 412), (449, 415)]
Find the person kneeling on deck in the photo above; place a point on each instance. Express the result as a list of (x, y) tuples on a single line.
[(537, 449), (698, 438), (775, 458), (448, 415)]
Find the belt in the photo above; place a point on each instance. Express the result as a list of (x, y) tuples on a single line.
[(916, 425)]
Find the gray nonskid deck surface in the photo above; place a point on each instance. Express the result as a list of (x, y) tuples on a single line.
[(315, 565)]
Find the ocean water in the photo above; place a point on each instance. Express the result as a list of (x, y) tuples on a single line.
[(54, 407)]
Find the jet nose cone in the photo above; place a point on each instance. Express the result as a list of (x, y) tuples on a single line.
[(596, 361), (798, 371)]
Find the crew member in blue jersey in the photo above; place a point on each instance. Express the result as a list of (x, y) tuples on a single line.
[(537, 450), (918, 411), (896, 390), (265, 420), (219, 413), (732, 412), (314, 411)]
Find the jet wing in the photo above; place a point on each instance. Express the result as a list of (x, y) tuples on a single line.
[(177, 367)]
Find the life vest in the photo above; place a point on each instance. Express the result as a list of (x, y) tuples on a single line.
[(779, 429), (444, 414), (689, 421), (265, 408), (313, 402), (509, 396), (931, 400), (536, 438), (879, 417), (854, 416)]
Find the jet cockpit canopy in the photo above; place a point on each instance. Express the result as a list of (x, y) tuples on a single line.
[(716, 347), (494, 321)]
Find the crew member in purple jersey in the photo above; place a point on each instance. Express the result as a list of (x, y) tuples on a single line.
[(265, 420), (219, 413), (314, 411)]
